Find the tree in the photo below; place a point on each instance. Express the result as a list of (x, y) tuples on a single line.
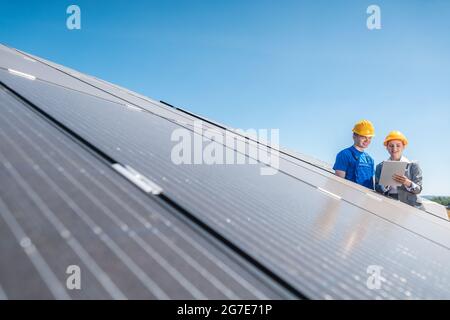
[(445, 201)]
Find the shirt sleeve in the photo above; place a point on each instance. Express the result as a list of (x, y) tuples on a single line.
[(342, 162), (416, 179), (413, 187)]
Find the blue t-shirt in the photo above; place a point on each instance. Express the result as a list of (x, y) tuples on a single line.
[(358, 166)]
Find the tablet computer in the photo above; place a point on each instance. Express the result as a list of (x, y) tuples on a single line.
[(389, 169)]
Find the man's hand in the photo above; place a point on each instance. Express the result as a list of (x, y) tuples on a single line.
[(340, 173), (402, 179)]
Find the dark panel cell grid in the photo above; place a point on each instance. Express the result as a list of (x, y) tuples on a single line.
[(76, 210)]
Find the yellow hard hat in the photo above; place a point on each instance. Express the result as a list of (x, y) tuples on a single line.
[(395, 135), (364, 128)]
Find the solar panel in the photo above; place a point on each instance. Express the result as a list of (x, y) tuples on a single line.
[(294, 223), (60, 205), (12, 59)]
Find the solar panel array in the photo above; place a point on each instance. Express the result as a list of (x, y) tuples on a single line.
[(61, 206), (301, 232)]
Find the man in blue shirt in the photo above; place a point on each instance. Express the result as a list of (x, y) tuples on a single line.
[(353, 163)]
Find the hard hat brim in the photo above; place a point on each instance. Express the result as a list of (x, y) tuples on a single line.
[(405, 143), (364, 135)]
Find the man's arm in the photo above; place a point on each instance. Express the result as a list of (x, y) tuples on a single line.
[(340, 173), (340, 165)]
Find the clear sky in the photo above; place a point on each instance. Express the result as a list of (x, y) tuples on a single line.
[(309, 68)]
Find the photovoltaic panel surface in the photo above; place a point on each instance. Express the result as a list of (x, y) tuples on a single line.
[(314, 240)]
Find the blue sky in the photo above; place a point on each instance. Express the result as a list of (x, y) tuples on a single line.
[(310, 68)]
